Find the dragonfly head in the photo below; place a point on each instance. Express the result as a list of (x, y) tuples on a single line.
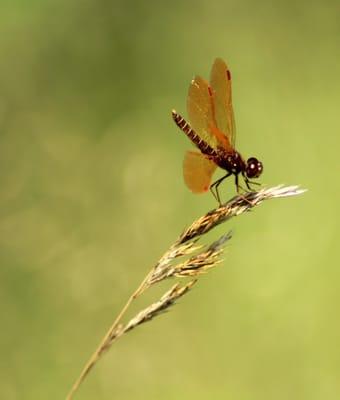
[(254, 168)]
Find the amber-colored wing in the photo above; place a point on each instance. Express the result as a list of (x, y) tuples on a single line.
[(220, 82), (197, 171), (199, 105)]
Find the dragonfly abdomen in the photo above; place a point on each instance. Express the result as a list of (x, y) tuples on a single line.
[(192, 135)]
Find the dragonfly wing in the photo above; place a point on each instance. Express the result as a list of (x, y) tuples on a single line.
[(200, 110), (197, 171), (220, 82)]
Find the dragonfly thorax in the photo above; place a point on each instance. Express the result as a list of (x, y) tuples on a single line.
[(231, 162)]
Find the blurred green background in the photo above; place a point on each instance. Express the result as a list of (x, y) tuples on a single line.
[(92, 194)]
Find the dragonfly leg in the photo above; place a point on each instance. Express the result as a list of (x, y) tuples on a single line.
[(238, 186), (248, 183), (215, 186)]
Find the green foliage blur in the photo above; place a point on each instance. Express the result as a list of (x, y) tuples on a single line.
[(92, 194)]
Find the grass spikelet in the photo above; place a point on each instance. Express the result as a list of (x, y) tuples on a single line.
[(159, 307)]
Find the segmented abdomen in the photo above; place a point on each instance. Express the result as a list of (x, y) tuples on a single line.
[(192, 135)]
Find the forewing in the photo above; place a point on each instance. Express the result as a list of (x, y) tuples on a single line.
[(220, 82), (200, 110), (197, 171)]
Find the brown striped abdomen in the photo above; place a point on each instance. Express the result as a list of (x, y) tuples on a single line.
[(192, 135)]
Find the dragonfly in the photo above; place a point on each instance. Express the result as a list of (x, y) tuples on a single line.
[(212, 131)]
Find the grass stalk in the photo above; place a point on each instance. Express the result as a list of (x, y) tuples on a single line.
[(198, 260)]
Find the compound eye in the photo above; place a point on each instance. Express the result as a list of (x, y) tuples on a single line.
[(254, 168)]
